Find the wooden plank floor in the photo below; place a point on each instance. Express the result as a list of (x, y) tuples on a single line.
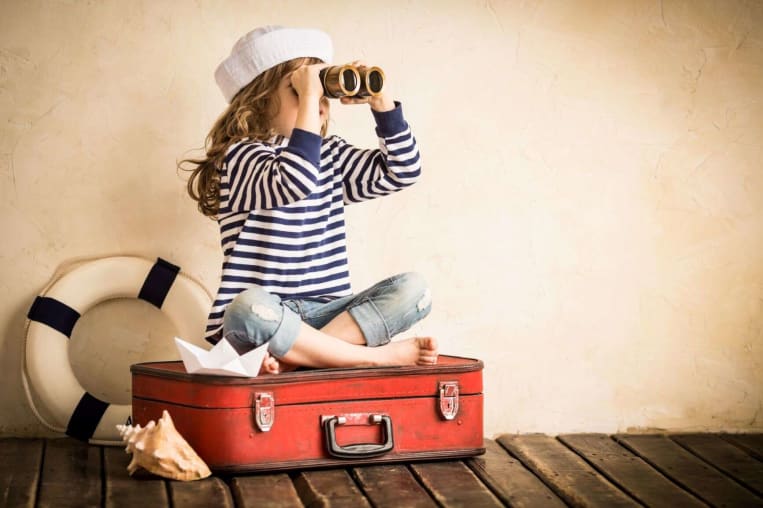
[(678, 470)]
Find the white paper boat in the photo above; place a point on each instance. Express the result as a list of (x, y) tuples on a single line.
[(221, 360)]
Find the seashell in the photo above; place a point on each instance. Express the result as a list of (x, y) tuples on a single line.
[(160, 449)]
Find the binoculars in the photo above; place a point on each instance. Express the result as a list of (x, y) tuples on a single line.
[(350, 81)]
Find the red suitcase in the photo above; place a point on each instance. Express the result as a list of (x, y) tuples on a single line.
[(318, 418)]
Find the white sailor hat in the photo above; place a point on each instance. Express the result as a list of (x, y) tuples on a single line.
[(266, 47)]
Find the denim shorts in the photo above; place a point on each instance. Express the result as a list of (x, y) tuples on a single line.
[(256, 316)]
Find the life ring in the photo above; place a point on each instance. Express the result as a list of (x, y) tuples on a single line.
[(54, 313)]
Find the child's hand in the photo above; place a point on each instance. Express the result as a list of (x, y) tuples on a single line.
[(307, 82), (381, 102)]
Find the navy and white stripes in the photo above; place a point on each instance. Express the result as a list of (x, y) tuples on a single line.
[(282, 209)]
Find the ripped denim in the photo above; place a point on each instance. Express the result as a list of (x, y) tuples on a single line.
[(255, 316)]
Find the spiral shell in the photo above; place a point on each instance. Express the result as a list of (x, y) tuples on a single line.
[(160, 449)]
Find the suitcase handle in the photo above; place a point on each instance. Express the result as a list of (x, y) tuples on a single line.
[(361, 450)]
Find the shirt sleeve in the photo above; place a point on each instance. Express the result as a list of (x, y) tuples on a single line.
[(262, 176), (395, 165)]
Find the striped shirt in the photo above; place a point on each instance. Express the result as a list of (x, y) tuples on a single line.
[(282, 204)]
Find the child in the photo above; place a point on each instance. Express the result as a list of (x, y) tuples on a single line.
[(277, 188)]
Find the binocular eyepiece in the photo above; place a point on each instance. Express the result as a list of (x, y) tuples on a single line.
[(350, 81)]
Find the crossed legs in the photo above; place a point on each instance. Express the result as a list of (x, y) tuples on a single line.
[(339, 344), (255, 317)]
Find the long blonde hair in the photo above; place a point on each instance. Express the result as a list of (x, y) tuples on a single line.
[(249, 115)]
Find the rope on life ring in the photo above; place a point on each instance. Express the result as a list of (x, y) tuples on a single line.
[(52, 318)]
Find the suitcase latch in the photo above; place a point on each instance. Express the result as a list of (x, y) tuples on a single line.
[(449, 399), (264, 410)]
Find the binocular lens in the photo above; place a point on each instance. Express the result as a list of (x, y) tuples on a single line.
[(350, 81), (374, 81), (340, 81)]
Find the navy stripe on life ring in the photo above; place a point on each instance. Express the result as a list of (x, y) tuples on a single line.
[(158, 282), (53, 313), (86, 417)]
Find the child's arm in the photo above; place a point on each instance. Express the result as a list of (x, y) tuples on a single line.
[(260, 176), (368, 174), (307, 85)]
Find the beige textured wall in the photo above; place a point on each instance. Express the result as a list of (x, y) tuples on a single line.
[(590, 220)]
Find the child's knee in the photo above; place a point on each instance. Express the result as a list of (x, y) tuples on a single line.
[(253, 313), (413, 291), (254, 295)]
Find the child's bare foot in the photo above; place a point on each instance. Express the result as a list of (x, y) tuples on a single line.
[(427, 350), (415, 351), (272, 365), (287, 367)]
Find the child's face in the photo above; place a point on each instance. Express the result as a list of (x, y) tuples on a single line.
[(286, 118)]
